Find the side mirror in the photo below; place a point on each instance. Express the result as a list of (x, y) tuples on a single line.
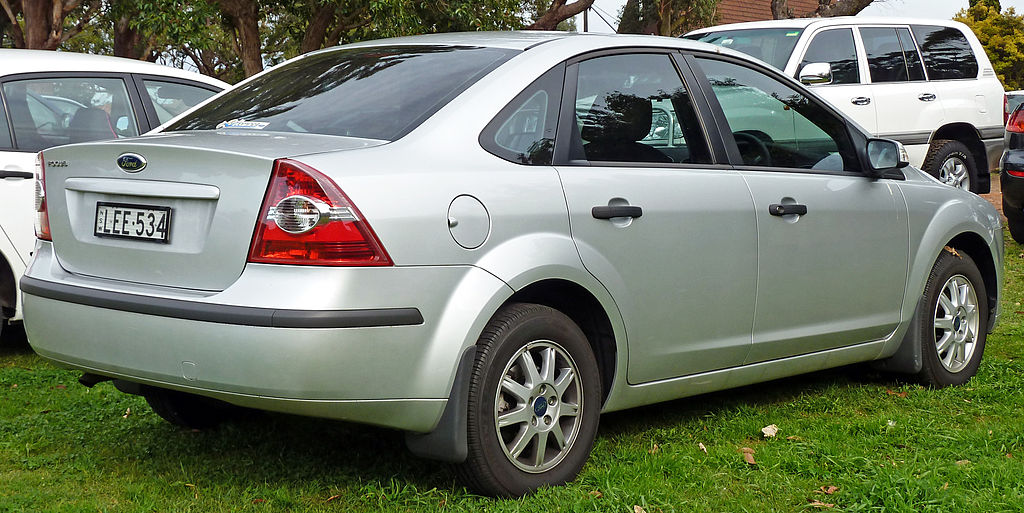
[(885, 155), (816, 73)]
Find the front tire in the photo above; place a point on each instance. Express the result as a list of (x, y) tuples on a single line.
[(534, 402), (953, 164), (953, 317)]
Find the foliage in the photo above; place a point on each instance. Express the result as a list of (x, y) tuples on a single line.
[(666, 17), (1002, 35)]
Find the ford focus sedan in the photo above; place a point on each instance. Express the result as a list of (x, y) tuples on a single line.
[(487, 240)]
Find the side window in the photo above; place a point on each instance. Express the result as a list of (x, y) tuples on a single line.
[(914, 66), (5, 129), (170, 99), (776, 125), (635, 108), (885, 55), (835, 47), (524, 131), (946, 51), (49, 112)]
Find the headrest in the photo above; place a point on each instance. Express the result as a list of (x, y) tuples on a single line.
[(90, 124), (618, 117)]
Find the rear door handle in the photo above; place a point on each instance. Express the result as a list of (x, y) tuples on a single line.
[(609, 211), (778, 209), (860, 100), (926, 97), (16, 174)]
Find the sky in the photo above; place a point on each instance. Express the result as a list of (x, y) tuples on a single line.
[(944, 9)]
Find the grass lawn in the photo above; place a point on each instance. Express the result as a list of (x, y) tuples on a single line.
[(883, 446)]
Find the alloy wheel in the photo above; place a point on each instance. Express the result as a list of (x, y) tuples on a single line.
[(956, 322)]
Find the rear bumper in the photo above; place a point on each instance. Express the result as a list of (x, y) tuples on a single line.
[(1012, 186), (372, 345)]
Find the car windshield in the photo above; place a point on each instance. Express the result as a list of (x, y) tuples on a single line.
[(770, 45), (372, 92)]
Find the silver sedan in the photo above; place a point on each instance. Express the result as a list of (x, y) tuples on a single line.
[(487, 240)]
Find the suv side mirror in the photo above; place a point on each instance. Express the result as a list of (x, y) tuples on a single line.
[(816, 73), (885, 155)]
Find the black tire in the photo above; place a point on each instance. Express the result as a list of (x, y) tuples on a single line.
[(944, 149), (188, 410), (952, 265), (1014, 222), (515, 332)]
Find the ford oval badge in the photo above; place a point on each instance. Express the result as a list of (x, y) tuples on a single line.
[(131, 162)]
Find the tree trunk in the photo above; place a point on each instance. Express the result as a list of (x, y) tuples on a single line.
[(781, 10), (317, 28), (244, 16), (829, 8), (559, 12)]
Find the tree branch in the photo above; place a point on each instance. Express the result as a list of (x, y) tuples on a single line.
[(16, 33)]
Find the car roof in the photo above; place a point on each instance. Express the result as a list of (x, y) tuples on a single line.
[(41, 61), (803, 23)]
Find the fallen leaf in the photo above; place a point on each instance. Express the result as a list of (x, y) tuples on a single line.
[(770, 431), (701, 447), (126, 413), (190, 485), (954, 253), (1008, 455), (967, 400), (821, 505), (331, 498), (597, 494), (14, 385), (259, 501), (897, 394), (638, 509), (794, 438), (748, 455), (653, 449), (945, 486), (827, 490), (963, 462), (61, 387)]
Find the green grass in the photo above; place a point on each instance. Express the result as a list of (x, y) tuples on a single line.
[(886, 445)]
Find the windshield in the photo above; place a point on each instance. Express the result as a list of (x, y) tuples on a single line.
[(770, 45), (372, 92)]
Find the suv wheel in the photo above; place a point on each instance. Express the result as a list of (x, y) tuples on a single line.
[(534, 402), (952, 163)]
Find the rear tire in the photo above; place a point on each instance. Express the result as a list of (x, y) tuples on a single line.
[(188, 410), (534, 403), (953, 318), (1014, 222), (952, 163)]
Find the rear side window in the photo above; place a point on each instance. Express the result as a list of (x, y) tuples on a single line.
[(946, 51), (170, 98), (914, 66), (885, 55), (524, 131), (371, 92), (836, 48), (5, 129)]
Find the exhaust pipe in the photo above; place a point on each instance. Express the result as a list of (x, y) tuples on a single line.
[(90, 380)]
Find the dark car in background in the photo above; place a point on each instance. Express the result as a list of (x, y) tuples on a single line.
[(1011, 174)]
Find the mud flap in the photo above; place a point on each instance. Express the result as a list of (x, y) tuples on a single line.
[(447, 442)]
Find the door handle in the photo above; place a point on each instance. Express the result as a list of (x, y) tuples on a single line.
[(778, 209), (610, 211), (860, 100), (15, 174), (926, 97)]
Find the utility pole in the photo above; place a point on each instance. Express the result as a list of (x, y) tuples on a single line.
[(586, 26)]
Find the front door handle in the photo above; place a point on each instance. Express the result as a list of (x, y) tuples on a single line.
[(860, 100), (778, 209), (926, 97), (15, 174), (610, 211)]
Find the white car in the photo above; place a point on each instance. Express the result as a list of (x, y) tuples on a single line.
[(925, 83), (53, 98)]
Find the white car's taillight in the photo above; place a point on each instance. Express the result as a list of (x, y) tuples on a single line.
[(306, 219), (42, 217)]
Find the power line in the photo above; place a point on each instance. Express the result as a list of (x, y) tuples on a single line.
[(602, 17)]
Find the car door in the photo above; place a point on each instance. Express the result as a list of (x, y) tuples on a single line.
[(831, 243), (848, 90), (16, 173), (908, 106), (668, 232)]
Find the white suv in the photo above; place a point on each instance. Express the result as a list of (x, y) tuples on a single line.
[(53, 98), (926, 83)]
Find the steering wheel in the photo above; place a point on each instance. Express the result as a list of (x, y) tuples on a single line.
[(753, 150)]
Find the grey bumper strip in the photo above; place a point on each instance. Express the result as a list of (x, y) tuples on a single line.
[(224, 314)]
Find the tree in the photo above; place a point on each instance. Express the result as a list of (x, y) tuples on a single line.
[(666, 17), (825, 9), (1002, 35), (39, 24), (559, 11)]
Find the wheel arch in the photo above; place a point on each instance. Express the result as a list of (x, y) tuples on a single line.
[(970, 137)]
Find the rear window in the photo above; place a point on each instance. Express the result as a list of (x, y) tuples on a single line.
[(374, 92), (946, 51), (770, 45)]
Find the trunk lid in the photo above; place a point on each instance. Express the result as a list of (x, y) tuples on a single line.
[(213, 184)]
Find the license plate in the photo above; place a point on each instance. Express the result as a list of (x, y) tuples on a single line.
[(137, 222)]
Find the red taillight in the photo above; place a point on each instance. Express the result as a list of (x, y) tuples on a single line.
[(42, 216), (1016, 122), (307, 220)]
